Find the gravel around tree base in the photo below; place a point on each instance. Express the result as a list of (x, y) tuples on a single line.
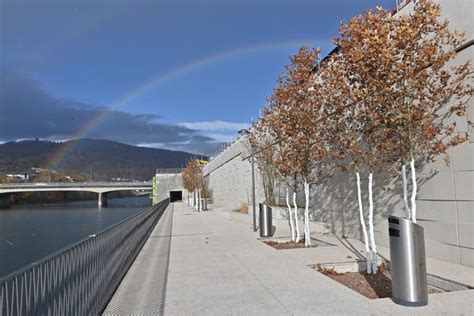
[(288, 244), (370, 285)]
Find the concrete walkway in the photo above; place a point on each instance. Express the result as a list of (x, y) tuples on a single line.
[(142, 291), (349, 249), (218, 267)]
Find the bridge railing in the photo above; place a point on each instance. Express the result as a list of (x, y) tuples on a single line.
[(80, 279), (76, 184)]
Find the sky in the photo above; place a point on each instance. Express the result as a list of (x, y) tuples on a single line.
[(180, 75)]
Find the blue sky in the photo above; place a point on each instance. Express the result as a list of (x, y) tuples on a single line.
[(200, 69)]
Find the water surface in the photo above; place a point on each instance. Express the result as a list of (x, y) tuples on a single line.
[(28, 233)]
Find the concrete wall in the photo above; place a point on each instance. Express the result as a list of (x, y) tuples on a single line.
[(229, 178), (445, 196), (168, 182)]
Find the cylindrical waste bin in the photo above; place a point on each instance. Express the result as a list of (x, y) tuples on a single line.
[(204, 204), (407, 262), (265, 216)]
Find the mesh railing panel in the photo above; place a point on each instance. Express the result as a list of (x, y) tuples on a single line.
[(80, 279)]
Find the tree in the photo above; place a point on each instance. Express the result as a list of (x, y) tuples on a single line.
[(261, 144), (267, 155), (426, 93), (186, 179), (388, 85), (193, 181), (354, 83), (301, 157)]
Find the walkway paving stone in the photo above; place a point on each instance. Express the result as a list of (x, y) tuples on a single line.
[(217, 266)]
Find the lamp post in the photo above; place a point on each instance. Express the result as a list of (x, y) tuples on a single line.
[(252, 161)]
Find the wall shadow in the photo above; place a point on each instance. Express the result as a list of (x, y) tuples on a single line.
[(335, 204)]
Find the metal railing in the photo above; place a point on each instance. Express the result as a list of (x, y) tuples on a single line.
[(75, 184), (80, 279)]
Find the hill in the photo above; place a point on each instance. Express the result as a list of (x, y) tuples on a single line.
[(92, 158)]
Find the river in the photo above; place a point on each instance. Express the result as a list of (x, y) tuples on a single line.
[(29, 233)]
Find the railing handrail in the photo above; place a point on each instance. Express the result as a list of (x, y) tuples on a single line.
[(56, 253), (75, 184), (82, 277)]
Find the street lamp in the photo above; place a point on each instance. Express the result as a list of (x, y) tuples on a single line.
[(254, 206)]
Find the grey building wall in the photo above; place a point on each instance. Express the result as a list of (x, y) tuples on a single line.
[(167, 182), (229, 177), (445, 200)]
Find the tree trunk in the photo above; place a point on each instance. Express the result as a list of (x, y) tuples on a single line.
[(362, 222), (290, 215), (196, 200), (414, 190), (371, 227), (307, 237), (296, 218), (199, 200), (405, 192)]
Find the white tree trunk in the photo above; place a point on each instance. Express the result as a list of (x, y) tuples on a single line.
[(414, 190), (199, 200), (290, 215), (371, 226), (196, 200), (362, 220), (405, 192), (361, 214), (307, 237), (297, 228)]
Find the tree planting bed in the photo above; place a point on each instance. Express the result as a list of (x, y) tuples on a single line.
[(283, 243), (370, 285)]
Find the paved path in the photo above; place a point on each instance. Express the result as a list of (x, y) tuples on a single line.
[(218, 267), (142, 291)]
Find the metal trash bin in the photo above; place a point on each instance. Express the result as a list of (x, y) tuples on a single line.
[(407, 262), (265, 220), (204, 204)]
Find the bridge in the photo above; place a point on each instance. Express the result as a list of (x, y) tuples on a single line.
[(101, 188)]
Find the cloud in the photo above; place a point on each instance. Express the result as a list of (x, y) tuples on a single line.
[(216, 126), (27, 111), (220, 131), (204, 148)]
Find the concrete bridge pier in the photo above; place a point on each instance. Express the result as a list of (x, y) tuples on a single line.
[(4, 201), (102, 200)]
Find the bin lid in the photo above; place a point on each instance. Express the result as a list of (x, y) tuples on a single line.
[(403, 223)]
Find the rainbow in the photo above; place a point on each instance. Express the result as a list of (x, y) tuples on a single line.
[(161, 78)]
